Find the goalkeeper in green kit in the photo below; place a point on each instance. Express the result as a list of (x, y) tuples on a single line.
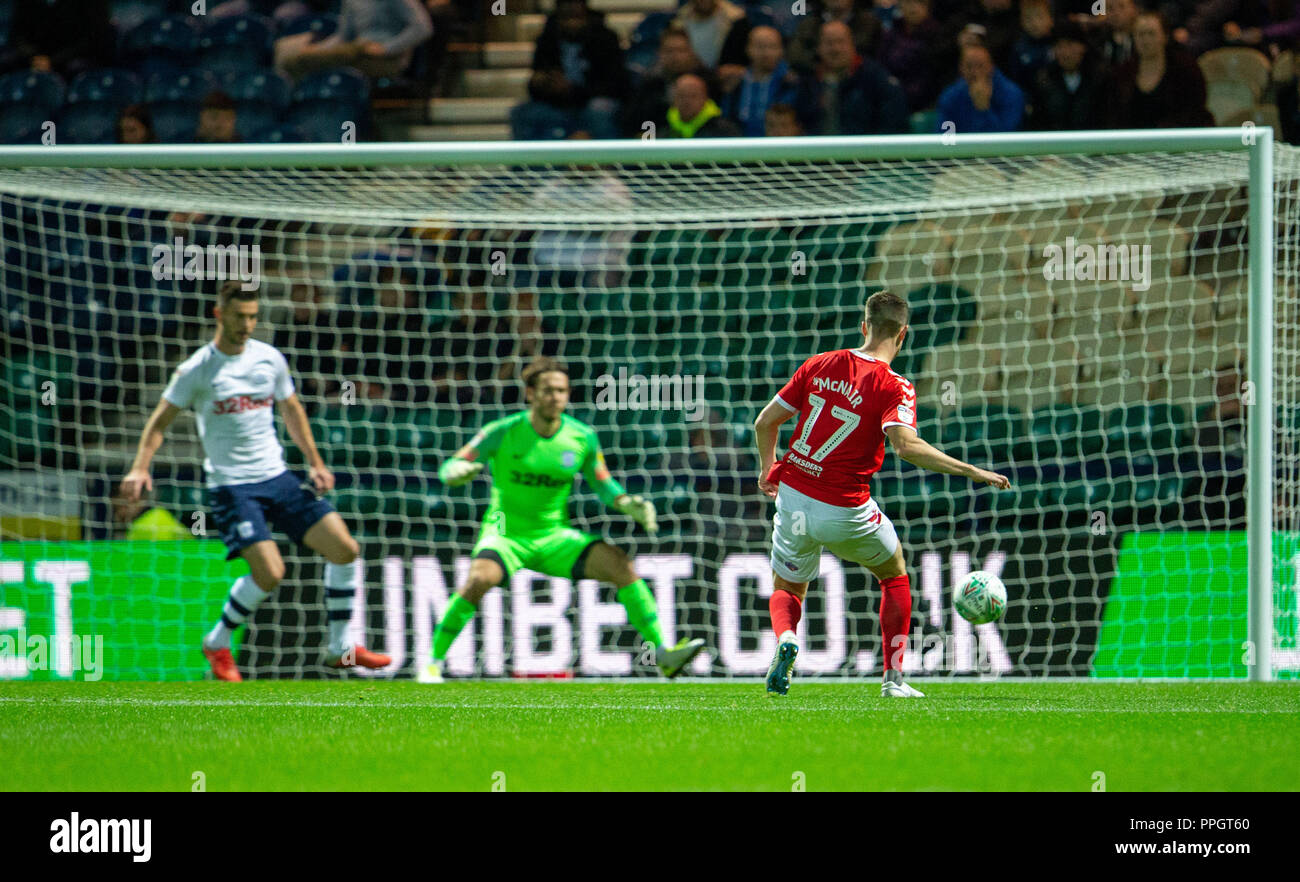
[(535, 456)]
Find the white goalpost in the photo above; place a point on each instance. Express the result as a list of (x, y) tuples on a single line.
[(1112, 318)]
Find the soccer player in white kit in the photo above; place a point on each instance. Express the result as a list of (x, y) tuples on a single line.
[(847, 402), (231, 384)]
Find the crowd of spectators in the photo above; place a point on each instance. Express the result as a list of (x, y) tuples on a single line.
[(142, 71), (890, 66)]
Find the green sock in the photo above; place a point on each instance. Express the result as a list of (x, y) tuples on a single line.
[(457, 616), (642, 613)]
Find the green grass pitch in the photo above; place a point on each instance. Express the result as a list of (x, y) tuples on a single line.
[(359, 735)]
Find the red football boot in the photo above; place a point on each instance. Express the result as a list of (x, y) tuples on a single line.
[(359, 656), (223, 664)]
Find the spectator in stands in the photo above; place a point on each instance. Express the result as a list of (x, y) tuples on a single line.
[(377, 37), (910, 50), (767, 80), (857, 14), (1161, 86), (1033, 47), (67, 37), (578, 78), (849, 94), (1113, 31), (218, 120), (135, 125), (694, 114), (983, 99), (996, 21), (782, 121), (1068, 93), (650, 98), (718, 30)]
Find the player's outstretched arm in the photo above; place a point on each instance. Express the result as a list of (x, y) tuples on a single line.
[(766, 429), (295, 420), (912, 448), (137, 480)]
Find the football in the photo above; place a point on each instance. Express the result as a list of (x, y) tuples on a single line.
[(980, 598)]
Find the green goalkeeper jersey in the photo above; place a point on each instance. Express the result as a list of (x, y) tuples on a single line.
[(532, 476)]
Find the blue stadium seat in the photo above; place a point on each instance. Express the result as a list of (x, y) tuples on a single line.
[(175, 122), (321, 25), (88, 123), (278, 134), (342, 84), (37, 90), (20, 124), (189, 87), (322, 122), (126, 15), (261, 96), (164, 43), (235, 45), (263, 86), (112, 87)]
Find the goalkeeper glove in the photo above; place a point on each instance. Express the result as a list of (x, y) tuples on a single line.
[(459, 471), (640, 510)]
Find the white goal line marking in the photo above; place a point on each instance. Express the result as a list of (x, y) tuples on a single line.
[(936, 704)]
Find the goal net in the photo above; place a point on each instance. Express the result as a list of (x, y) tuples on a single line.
[(1079, 322)]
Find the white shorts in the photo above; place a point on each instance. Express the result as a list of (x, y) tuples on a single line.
[(802, 526)]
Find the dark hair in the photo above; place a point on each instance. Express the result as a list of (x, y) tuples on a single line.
[(234, 290), (217, 100), (140, 113), (542, 364), (887, 313)]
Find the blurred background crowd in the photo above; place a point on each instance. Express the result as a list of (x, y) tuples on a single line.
[(139, 71)]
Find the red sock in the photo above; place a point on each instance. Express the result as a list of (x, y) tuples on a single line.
[(786, 610), (895, 618)]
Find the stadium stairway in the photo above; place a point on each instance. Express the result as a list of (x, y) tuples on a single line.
[(487, 78)]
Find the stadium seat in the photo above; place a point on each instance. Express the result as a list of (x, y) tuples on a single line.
[(984, 434), (174, 122), (169, 42), (235, 45), (320, 25), (23, 378), (110, 87), (20, 124), (323, 122), (1145, 429), (36, 90), (279, 134), (261, 96), (186, 87), (1066, 431), (87, 123), (343, 85)]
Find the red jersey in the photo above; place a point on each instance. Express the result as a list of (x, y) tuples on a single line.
[(845, 400)]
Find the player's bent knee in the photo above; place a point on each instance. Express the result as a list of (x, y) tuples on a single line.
[(798, 589)]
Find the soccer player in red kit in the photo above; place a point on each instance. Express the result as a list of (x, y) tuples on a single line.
[(847, 401)]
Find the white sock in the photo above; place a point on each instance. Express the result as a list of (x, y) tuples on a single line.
[(341, 582), (788, 637), (244, 598)]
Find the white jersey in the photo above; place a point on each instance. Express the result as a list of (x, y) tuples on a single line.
[(232, 398)]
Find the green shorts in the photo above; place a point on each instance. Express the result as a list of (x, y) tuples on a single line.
[(554, 552)]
